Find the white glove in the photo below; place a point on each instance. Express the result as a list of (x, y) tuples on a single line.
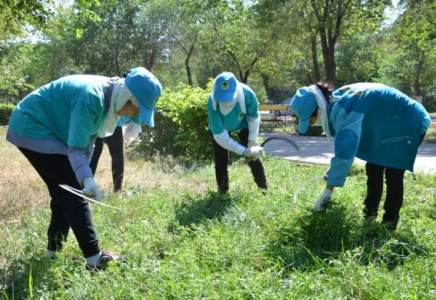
[(320, 204), (254, 152), (252, 144), (132, 131), (90, 188)]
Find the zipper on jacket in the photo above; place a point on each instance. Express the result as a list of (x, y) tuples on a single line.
[(397, 139)]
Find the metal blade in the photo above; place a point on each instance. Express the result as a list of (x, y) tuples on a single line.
[(281, 138), (81, 194)]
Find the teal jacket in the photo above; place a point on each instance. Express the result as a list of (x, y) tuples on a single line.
[(375, 123), (236, 119), (70, 109)]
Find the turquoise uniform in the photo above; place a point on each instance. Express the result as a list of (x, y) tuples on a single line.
[(375, 123), (236, 119), (63, 117), (70, 109)]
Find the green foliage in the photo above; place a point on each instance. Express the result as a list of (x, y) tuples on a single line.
[(184, 244), (181, 124), (5, 113)]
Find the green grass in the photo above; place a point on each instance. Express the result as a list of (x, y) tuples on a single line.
[(185, 244)]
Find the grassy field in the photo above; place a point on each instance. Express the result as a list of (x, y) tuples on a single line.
[(184, 241)]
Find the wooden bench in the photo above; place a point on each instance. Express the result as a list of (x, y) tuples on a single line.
[(274, 108)]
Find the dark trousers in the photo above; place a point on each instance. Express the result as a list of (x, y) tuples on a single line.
[(221, 160), (67, 210), (394, 192), (116, 150)]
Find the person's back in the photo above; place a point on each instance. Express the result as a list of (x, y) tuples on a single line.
[(391, 125), (64, 109)]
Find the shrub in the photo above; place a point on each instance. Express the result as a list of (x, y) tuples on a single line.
[(5, 113), (181, 125)]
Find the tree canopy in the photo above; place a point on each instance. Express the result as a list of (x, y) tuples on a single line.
[(273, 45)]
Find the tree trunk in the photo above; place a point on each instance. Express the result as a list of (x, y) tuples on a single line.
[(265, 80), (187, 66), (316, 72)]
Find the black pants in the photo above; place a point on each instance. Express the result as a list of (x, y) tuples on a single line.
[(116, 150), (221, 160), (394, 192), (67, 210)]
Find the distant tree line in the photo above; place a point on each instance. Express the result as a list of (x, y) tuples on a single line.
[(273, 45)]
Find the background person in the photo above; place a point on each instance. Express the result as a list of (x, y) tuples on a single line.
[(373, 122), (55, 127), (115, 144), (233, 106)]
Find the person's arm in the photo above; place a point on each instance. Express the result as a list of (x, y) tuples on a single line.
[(253, 118), (82, 128), (79, 160), (346, 143), (347, 139), (220, 134)]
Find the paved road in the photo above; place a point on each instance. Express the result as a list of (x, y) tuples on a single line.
[(320, 150)]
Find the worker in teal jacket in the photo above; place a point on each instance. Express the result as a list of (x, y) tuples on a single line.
[(233, 107), (55, 127), (373, 122)]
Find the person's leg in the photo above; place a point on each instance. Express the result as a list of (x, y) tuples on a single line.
[(116, 149), (394, 196), (58, 229), (256, 166), (98, 149), (221, 160), (374, 188), (68, 210)]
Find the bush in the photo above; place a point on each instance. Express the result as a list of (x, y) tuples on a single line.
[(5, 113), (181, 126)]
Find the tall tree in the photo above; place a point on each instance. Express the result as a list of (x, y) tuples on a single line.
[(412, 63)]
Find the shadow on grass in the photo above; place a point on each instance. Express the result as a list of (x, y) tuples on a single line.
[(23, 278), (313, 241), (193, 210)]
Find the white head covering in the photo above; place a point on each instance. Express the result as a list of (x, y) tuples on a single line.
[(322, 105), (120, 95)]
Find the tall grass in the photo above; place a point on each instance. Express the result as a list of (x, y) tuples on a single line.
[(185, 241)]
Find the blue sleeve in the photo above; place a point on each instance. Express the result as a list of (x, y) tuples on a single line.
[(79, 160), (347, 139)]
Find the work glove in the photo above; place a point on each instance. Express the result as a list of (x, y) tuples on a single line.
[(320, 204), (90, 189), (132, 131), (252, 144), (254, 152)]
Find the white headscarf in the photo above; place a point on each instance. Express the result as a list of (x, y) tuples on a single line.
[(322, 105), (120, 95)]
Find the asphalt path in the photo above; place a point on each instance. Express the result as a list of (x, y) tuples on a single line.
[(320, 150)]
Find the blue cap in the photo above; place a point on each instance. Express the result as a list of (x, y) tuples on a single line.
[(304, 104), (224, 87), (146, 88)]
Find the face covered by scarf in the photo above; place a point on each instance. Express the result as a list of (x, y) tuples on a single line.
[(120, 95)]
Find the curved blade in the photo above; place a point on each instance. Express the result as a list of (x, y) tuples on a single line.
[(83, 195), (280, 138)]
